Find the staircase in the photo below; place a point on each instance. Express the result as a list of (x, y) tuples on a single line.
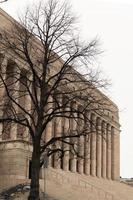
[(62, 185), (73, 186)]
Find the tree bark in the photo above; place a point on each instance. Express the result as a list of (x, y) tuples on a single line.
[(35, 169)]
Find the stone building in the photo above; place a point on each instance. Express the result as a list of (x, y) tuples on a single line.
[(97, 175)]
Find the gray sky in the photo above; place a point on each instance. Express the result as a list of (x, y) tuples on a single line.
[(112, 22)]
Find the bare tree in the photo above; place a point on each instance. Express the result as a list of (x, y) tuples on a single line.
[(47, 46)]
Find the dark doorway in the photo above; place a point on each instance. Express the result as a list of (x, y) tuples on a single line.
[(30, 164), (62, 162)]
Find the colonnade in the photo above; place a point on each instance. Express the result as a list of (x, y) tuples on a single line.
[(12, 131), (98, 151)]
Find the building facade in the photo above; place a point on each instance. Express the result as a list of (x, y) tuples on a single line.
[(99, 150)]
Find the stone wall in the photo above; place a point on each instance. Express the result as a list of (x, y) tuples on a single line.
[(14, 162)]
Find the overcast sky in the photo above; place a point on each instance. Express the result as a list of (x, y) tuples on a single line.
[(112, 22)]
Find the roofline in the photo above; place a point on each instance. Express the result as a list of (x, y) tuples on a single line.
[(12, 20)]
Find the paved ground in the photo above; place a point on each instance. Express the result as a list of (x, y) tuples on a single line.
[(21, 192), (24, 196)]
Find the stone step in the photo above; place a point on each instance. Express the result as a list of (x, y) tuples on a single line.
[(61, 185), (67, 185)]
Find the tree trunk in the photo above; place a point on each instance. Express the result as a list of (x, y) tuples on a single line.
[(35, 169)]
